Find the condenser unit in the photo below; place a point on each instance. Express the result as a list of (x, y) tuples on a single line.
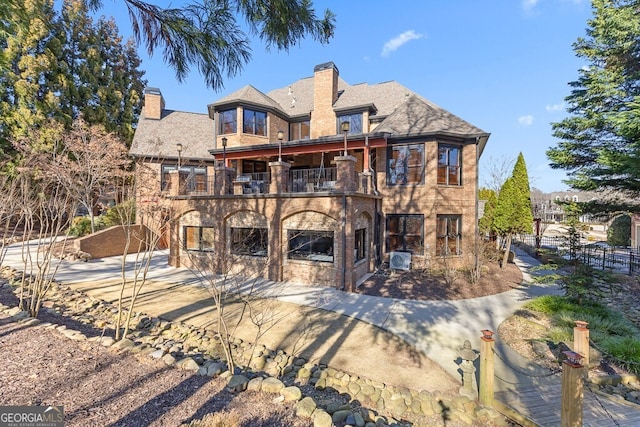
[(400, 260)]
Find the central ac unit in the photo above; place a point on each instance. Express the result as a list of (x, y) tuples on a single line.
[(400, 260)]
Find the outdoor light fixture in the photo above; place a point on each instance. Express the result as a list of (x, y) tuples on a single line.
[(280, 138), (179, 148), (344, 127), (487, 335), (224, 151)]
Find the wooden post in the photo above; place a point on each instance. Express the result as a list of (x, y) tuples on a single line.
[(572, 393), (581, 341), (487, 344)]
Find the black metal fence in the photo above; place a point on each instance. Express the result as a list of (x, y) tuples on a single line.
[(596, 255)]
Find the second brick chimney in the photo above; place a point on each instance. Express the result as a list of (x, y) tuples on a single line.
[(153, 103), (325, 94)]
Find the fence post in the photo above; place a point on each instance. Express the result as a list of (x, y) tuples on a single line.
[(630, 262), (572, 392), (581, 342), (487, 344), (604, 259)]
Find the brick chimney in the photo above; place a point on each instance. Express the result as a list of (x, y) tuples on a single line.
[(325, 94), (153, 103)]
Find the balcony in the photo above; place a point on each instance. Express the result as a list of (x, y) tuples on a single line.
[(313, 180)]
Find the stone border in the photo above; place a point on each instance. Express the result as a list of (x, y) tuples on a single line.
[(273, 371)]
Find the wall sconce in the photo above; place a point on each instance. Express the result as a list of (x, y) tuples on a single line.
[(280, 138), (344, 127)]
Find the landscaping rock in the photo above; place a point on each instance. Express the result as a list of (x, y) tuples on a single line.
[(292, 393), (305, 407), (321, 419), (272, 385), (237, 383)]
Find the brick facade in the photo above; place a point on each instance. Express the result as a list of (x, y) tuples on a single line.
[(352, 205)]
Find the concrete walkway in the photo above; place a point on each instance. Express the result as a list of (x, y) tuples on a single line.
[(435, 328)]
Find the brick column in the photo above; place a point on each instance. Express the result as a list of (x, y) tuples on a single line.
[(223, 180), (174, 242), (279, 177), (177, 183), (346, 179)]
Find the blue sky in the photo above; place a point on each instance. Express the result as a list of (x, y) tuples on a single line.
[(502, 65)]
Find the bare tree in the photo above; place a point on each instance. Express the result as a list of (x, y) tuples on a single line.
[(140, 241), (496, 172), (90, 160), (43, 206)]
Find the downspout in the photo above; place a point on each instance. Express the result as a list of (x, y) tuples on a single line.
[(477, 225), (344, 241)]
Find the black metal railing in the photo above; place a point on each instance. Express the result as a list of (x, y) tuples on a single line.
[(310, 180), (596, 255)]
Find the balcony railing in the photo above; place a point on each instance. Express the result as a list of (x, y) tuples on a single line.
[(300, 181), (310, 180), (254, 183)]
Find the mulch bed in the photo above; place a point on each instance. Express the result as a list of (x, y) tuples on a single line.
[(419, 285)]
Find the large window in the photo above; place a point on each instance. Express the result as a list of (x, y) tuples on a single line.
[(249, 241), (355, 123), (405, 233), (228, 121), (254, 122), (448, 235), (198, 238), (196, 177), (310, 245), (449, 165), (299, 130), (406, 164), (360, 250)]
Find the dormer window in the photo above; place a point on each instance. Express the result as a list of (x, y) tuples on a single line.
[(254, 122), (355, 123)]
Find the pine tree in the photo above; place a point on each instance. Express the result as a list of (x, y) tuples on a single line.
[(600, 142)]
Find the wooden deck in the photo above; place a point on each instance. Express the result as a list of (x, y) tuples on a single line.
[(541, 406)]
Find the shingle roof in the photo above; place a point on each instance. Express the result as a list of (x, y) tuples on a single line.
[(297, 98), (417, 116), (248, 94), (158, 138)]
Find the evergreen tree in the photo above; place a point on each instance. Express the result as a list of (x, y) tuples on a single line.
[(210, 35), (524, 214), (619, 232), (513, 210), (30, 56), (63, 66), (486, 222), (100, 80), (600, 141)]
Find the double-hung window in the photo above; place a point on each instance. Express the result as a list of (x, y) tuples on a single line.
[(448, 236), (449, 162), (355, 123), (199, 239), (254, 122), (405, 233), (228, 121), (406, 164)]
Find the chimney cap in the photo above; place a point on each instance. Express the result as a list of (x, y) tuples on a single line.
[(325, 66), (153, 91)]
